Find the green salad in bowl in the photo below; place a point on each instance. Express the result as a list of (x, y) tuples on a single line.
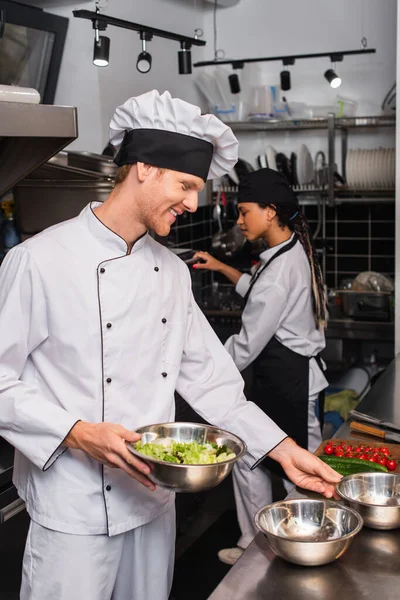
[(185, 453)]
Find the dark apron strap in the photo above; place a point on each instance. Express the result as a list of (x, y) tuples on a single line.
[(258, 273), (321, 396)]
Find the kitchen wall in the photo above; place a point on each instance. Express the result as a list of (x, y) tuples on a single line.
[(249, 28), (98, 91), (254, 28)]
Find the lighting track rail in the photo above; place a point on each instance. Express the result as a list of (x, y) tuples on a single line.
[(108, 20), (238, 63)]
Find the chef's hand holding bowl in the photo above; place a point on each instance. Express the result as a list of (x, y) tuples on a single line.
[(106, 443)]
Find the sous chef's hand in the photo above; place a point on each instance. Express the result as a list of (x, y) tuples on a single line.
[(212, 264), (304, 469), (105, 442), (209, 262)]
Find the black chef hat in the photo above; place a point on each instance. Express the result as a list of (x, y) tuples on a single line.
[(267, 186)]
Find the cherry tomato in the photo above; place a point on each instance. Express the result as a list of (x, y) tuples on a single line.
[(364, 457), (382, 461), (375, 450), (391, 465), (339, 452), (349, 455), (328, 449), (375, 456), (359, 449), (367, 448), (348, 448), (385, 451)]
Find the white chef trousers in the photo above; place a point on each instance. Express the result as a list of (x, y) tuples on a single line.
[(253, 489), (136, 565)]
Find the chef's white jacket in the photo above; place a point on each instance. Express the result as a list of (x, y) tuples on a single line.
[(91, 332), (280, 305)]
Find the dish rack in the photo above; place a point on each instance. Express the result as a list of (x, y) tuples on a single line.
[(333, 193)]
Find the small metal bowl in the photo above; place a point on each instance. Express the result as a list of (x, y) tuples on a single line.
[(376, 496), (308, 532), (189, 478)]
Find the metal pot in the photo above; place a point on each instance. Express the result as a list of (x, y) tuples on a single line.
[(227, 244), (366, 306)]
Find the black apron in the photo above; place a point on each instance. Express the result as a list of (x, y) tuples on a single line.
[(280, 385)]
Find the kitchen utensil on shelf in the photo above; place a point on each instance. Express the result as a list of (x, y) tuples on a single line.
[(243, 168), (358, 416), (375, 496), (227, 244), (217, 210), (189, 478), (283, 166), (293, 168), (271, 154), (305, 166), (308, 532), (375, 431), (372, 281), (320, 169), (262, 161)]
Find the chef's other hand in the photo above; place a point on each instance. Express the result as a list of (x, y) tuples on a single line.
[(304, 469), (105, 442), (209, 262)]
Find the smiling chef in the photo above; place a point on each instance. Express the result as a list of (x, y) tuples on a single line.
[(98, 328)]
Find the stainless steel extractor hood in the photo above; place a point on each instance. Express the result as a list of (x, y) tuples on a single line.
[(30, 134)]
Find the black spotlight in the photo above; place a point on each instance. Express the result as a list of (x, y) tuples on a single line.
[(143, 63), (332, 78), (185, 59), (101, 50), (234, 83), (285, 81)]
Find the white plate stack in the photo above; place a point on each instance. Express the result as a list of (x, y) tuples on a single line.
[(371, 169)]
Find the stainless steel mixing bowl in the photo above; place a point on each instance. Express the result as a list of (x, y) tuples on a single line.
[(308, 532), (376, 496), (189, 478)]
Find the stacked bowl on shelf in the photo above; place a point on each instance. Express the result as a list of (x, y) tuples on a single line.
[(371, 169)]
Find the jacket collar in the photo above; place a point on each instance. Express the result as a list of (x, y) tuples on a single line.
[(106, 236), (269, 253)]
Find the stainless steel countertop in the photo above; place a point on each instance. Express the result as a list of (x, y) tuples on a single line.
[(370, 568), (338, 328)]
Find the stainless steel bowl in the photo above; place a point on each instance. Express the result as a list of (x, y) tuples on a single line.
[(189, 478), (308, 532), (376, 496)]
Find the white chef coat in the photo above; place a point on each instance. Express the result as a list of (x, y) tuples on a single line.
[(280, 305), (91, 332)]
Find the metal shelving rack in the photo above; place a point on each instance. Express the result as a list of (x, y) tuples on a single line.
[(331, 124), (328, 194)]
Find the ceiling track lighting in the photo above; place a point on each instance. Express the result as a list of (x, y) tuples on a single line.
[(285, 74), (101, 49), (143, 64), (332, 78), (238, 63), (185, 59), (330, 75)]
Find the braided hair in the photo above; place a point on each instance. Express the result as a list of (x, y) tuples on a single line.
[(289, 215)]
